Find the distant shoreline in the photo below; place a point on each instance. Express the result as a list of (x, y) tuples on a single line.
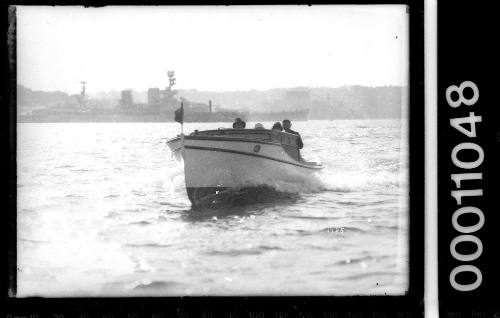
[(347, 102), (191, 122)]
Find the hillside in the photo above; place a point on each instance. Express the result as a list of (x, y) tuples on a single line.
[(323, 103)]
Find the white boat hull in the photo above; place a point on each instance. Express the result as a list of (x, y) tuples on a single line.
[(214, 166)]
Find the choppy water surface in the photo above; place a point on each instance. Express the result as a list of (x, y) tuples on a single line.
[(102, 210)]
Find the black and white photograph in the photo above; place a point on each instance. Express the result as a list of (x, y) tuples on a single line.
[(212, 150)]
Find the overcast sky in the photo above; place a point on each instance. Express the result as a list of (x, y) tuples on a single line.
[(211, 48)]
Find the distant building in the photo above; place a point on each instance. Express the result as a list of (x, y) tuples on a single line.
[(168, 100), (126, 100), (154, 96)]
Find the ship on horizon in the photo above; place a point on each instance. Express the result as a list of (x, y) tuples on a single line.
[(160, 107)]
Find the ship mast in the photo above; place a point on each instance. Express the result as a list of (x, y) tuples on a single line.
[(169, 92), (171, 79), (82, 95)]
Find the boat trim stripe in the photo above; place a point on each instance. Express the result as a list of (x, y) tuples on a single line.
[(226, 138), (252, 154)]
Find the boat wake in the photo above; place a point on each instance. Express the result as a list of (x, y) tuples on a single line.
[(304, 184), (351, 181)]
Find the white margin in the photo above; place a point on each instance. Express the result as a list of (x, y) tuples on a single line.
[(431, 308)]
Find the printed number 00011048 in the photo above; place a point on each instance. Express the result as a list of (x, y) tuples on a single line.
[(466, 230)]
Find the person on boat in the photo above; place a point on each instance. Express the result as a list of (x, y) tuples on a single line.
[(239, 124), (277, 126), (286, 127), (259, 126)]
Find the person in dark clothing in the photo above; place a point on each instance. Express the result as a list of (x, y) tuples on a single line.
[(277, 126), (286, 127), (239, 124)]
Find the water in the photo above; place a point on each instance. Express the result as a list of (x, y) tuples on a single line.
[(102, 210)]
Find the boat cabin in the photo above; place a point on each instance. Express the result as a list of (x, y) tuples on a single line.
[(286, 140)]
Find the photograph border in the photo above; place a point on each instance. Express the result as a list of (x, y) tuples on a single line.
[(475, 64), (406, 305)]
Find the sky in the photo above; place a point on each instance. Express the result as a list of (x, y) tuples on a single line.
[(216, 48)]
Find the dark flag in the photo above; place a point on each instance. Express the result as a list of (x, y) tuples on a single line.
[(179, 114)]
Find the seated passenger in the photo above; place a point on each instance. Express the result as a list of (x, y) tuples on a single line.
[(286, 127), (259, 126), (239, 124), (277, 126)]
